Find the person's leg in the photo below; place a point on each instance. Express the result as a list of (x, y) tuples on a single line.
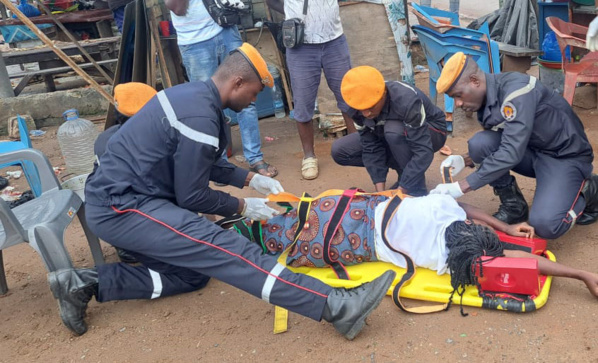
[(305, 69), (336, 61), (394, 134), (438, 138), (347, 151), (482, 145), (174, 236), (150, 280), (180, 238), (200, 59), (247, 118), (454, 6), (119, 17), (513, 208), (557, 201)]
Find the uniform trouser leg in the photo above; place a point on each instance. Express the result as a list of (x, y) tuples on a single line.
[(397, 143), (166, 233), (486, 142), (557, 201), (347, 151), (150, 280)]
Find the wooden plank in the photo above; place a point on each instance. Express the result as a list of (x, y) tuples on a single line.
[(72, 38), (57, 50), (167, 83), (516, 51), (22, 84), (13, 56), (105, 28), (57, 70), (282, 70)]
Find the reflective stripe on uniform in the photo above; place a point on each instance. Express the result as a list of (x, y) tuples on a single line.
[(523, 90), (157, 282), (182, 128), (500, 126), (270, 280), (423, 112)]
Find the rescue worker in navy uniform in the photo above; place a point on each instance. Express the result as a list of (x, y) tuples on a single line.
[(528, 129), (399, 128), (145, 196)]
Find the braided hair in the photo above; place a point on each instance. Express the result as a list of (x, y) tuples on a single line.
[(467, 242)]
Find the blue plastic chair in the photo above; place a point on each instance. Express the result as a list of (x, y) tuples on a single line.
[(29, 168), (429, 13), (440, 47), (470, 38)]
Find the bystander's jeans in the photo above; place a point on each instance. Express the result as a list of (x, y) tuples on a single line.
[(453, 5), (201, 61)]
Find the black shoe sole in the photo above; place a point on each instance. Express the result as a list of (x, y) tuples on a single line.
[(55, 288), (356, 328), (585, 221)]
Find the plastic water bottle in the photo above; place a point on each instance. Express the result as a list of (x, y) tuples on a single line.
[(279, 110), (76, 137)]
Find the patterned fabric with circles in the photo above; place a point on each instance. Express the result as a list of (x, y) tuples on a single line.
[(353, 242)]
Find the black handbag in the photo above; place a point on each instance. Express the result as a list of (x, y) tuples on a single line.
[(293, 30), (223, 15)]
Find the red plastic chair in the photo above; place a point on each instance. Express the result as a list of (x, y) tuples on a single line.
[(586, 69)]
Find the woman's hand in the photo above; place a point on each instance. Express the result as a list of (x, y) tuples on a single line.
[(520, 230), (591, 281)]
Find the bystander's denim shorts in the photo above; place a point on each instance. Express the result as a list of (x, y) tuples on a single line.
[(305, 65)]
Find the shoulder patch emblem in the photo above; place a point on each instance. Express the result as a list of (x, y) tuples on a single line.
[(508, 111)]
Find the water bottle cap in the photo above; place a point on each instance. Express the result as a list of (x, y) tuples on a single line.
[(71, 114)]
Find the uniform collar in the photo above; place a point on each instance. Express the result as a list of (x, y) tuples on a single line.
[(212, 87), (491, 96), (386, 108)]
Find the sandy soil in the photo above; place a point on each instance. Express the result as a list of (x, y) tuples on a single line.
[(221, 323)]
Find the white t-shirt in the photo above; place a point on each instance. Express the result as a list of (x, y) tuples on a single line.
[(197, 26), (322, 23), (417, 229)]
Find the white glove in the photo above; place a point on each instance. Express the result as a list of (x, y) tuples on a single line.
[(256, 209), (238, 4), (592, 36), (455, 162), (265, 185), (452, 189)]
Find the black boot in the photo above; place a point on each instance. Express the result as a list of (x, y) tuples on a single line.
[(347, 309), (590, 194), (513, 207), (73, 289), (125, 256)]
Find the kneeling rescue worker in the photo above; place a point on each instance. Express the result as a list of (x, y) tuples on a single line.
[(145, 196)]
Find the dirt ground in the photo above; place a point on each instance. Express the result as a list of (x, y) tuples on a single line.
[(223, 324)]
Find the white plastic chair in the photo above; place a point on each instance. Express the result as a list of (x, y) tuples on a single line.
[(41, 222)]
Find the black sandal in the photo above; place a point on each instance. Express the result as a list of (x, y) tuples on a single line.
[(261, 165)]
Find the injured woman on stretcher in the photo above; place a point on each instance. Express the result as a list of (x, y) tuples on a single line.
[(435, 231)]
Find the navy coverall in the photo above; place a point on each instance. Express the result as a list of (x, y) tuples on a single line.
[(145, 196), (533, 131), (404, 137)]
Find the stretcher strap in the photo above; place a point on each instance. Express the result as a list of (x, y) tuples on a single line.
[(286, 197), (335, 221), (389, 213), (281, 315), (302, 215)]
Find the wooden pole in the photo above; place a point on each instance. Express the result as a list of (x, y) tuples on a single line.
[(72, 38), (6, 90), (13, 9), (154, 29)]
